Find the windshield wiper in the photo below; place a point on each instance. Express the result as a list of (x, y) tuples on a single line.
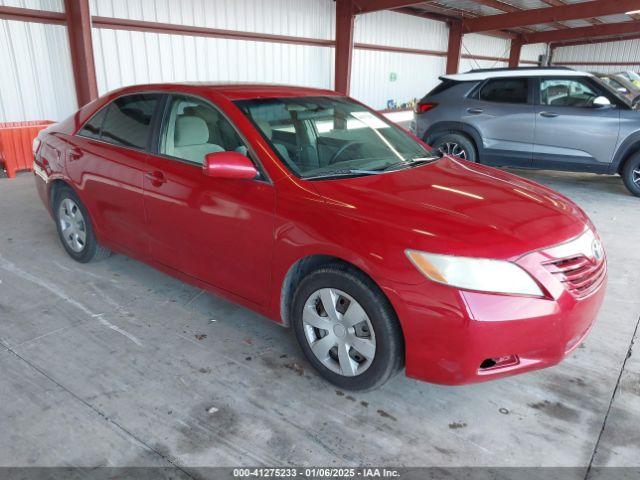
[(411, 163), (343, 173)]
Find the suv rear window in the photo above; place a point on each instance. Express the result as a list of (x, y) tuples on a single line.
[(441, 87), (505, 90)]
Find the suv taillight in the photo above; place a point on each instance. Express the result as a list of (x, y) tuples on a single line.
[(423, 107)]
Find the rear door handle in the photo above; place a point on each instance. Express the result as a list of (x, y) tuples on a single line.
[(156, 178), (474, 111), (548, 114)]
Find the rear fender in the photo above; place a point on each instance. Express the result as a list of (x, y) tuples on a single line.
[(440, 129)]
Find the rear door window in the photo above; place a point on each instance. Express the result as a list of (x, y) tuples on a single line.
[(92, 128), (128, 120), (505, 90)]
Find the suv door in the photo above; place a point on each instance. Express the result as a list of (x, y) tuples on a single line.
[(217, 230), (570, 132), (501, 110), (106, 160)]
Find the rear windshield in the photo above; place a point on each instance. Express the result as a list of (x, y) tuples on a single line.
[(443, 86)]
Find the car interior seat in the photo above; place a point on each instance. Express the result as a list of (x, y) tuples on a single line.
[(220, 131), (191, 139)]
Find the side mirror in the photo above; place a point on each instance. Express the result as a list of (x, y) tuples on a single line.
[(229, 165), (600, 101), (622, 90)]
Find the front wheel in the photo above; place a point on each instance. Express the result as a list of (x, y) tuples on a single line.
[(631, 175), (457, 145), (347, 328)]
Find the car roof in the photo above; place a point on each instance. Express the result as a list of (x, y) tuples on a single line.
[(475, 75), (233, 91)]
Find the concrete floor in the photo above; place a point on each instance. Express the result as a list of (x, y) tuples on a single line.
[(114, 363)]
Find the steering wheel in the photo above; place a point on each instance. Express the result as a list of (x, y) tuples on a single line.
[(341, 150)]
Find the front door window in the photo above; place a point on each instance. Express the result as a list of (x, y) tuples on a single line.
[(195, 129)]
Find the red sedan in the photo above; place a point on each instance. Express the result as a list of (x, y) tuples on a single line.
[(315, 211)]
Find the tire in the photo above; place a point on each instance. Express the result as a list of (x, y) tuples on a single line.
[(458, 145), (79, 240), (342, 364), (631, 174)]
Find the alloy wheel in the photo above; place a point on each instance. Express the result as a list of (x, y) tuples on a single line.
[(452, 148), (72, 225), (339, 332), (636, 176)]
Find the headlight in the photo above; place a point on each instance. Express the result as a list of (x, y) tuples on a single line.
[(475, 273)]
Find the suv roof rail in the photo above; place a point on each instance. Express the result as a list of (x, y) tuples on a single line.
[(515, 69)]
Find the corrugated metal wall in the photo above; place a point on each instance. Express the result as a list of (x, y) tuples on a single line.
[(532, 52), (400, 30), (625, 51), (378, 77), (39, 82), (36, 82), (124, 58), (49, 5), (486, 46)]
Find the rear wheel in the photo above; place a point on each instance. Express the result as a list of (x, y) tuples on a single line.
[(75, 229), (457, 145), (631, 174), (347, 328)]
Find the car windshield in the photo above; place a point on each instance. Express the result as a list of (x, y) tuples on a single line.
[(318, 137), (612, 90), (633, 76)]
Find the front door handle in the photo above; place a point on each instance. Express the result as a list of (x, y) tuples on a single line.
[(548, 114), (156, 178), (475, 111)]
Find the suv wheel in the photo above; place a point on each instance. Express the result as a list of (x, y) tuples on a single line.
[(347, 328), (631, 174), (457, 145)]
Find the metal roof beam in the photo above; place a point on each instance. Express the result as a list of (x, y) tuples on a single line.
[(604, 30), (549, 15), (368, 6), (30, 15)]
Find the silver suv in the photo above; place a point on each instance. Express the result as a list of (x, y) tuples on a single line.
[(549, 118)]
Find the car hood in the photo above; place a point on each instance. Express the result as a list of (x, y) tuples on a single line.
[(457, 207)]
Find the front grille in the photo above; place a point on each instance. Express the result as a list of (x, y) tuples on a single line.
[(580, 275)]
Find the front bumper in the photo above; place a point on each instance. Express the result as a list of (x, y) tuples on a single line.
[(450, 333)]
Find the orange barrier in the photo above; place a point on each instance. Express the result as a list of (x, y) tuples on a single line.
[(16, 140)]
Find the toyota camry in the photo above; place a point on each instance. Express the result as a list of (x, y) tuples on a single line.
[(317, 212)]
